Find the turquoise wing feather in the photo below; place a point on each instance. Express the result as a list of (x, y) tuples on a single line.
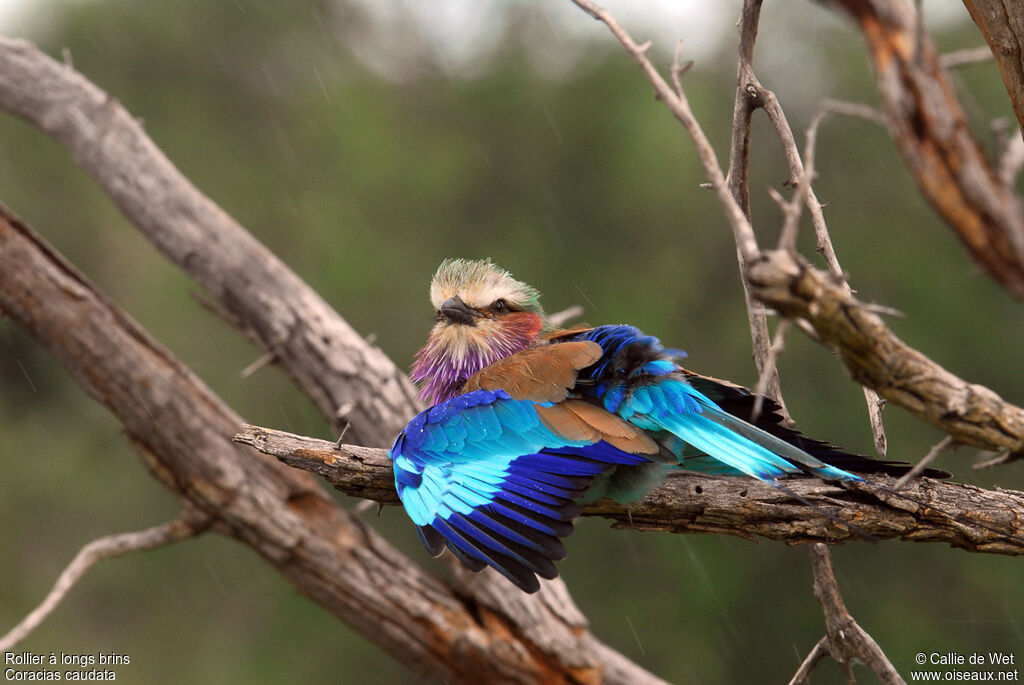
[(484, 476)]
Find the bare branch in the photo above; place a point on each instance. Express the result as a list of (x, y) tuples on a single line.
[(966, 57), (748, 98), (566, 315), (97, 550), (1003, 456), (846, 639), (777, 346), (1011, 161), (680, 108), (930, 130), (926, 511), (854, 109), (819, 652), (876, 358), (875, 405)]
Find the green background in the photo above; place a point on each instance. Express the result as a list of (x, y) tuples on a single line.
[(362, 152)]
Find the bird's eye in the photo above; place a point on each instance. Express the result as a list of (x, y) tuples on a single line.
[(499, 306)]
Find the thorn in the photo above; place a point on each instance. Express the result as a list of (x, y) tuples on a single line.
[(258, 364), (882, 309), (380, 508), (363, 505), (345, 409), (337, 443), (1003, 456)]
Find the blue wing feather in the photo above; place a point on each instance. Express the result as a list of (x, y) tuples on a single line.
[(483, 473)]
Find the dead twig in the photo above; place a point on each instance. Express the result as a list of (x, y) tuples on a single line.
[(566, 315), (819, 652), (940, 447), (876, 358), (107, 547), (845, 640), (966, 57)]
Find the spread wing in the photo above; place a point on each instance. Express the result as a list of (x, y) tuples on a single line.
[(486, 475)]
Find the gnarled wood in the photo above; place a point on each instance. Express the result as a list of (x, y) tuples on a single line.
[(876, 358), (928, 510)]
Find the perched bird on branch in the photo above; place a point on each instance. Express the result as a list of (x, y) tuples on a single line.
[(529, 420)]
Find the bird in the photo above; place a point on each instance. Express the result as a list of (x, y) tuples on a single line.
[(527, 420)]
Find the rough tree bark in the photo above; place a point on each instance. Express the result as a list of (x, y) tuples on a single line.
[(875, 357), (930, 511), (1002, 24)]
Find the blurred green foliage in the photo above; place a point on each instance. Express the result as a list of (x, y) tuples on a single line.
[(575, 179)]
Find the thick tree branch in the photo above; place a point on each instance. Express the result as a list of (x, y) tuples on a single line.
[(930, 130), (936, 511), (876, 358), (184, 433), (1002, 24), (350, 381)]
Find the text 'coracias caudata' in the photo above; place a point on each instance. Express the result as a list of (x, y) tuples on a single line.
[(528, 420)]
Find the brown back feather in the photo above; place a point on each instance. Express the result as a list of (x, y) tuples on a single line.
[(540, 374), (580, 420), (546, 374)]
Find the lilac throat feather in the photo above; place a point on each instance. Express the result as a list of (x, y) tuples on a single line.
[(442, 370)]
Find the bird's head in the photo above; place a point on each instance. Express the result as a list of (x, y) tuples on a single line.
[(483, 315)]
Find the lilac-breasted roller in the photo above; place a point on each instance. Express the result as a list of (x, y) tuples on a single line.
[(528, 420)]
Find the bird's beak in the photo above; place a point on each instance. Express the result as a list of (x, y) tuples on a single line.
[(456, 311)]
